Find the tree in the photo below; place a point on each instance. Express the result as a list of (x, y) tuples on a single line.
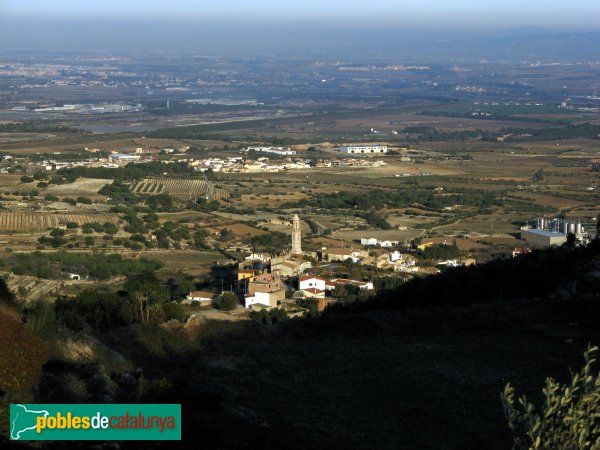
[(567, 420), (147, 290), (225, 235), (571, 240), (227, 301)]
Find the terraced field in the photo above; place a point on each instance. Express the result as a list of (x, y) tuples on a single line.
[(20, 188), (179, 188), (32, 221), (86, 187), (35, 288)]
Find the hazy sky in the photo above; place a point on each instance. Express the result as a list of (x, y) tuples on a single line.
[(559, 14)]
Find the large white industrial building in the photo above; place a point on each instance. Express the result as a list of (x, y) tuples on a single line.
[(363, 149)]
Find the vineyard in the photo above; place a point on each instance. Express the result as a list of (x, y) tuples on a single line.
[(19, 189), (179, 188), (31, 221), (86, 187)]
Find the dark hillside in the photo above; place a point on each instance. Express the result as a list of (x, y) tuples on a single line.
[(421, 367), (380, 376)]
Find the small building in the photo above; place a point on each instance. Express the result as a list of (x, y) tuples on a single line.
[(543, 238), (342, 254), (247, 274), (265, 298), (388, 244), (311, 282), (290, 267), (369, 241), (312, 293), (363, 149), (204, 298), (520, 251), (331, 284), (395, 256), (122, 157)]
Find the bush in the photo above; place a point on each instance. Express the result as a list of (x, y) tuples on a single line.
[(84, 200), (227, 301), (173, 310), (57, 232), (569, 417)]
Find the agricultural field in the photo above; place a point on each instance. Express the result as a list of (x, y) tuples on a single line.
[(30, 288), (189, 262), (36, 221), (183, 189), (83, 187)]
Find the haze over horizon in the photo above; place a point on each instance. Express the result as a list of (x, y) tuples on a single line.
[(552, 14), (311, 27)]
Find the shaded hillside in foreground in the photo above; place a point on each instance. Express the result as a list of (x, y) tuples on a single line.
[(417, 378), (385, 374)]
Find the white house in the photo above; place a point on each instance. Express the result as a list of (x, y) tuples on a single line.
[(368, 241), (363, 149), (311, 282), (202, 297), (264, 298), (388, 243), (395, 256)]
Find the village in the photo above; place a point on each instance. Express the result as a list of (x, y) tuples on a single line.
[(250, 161), (292, 281)]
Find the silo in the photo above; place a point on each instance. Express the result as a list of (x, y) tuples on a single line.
[(571, 227), (578, 229)]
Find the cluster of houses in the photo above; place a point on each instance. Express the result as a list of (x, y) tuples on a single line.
[(349, 162), (239, 164), (372, 242), (270, 290)]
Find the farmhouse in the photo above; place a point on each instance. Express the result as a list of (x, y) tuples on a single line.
[(204, 298), (363, 149)]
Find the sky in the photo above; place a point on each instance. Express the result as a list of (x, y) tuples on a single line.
[(554, 14)]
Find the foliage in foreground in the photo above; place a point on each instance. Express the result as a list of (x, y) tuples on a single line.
[(569, 419)]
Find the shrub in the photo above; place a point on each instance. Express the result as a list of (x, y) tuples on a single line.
[(227, 301), (568, 418), (84, 200)]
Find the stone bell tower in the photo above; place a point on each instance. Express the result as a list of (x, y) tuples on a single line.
[(296, 236)]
